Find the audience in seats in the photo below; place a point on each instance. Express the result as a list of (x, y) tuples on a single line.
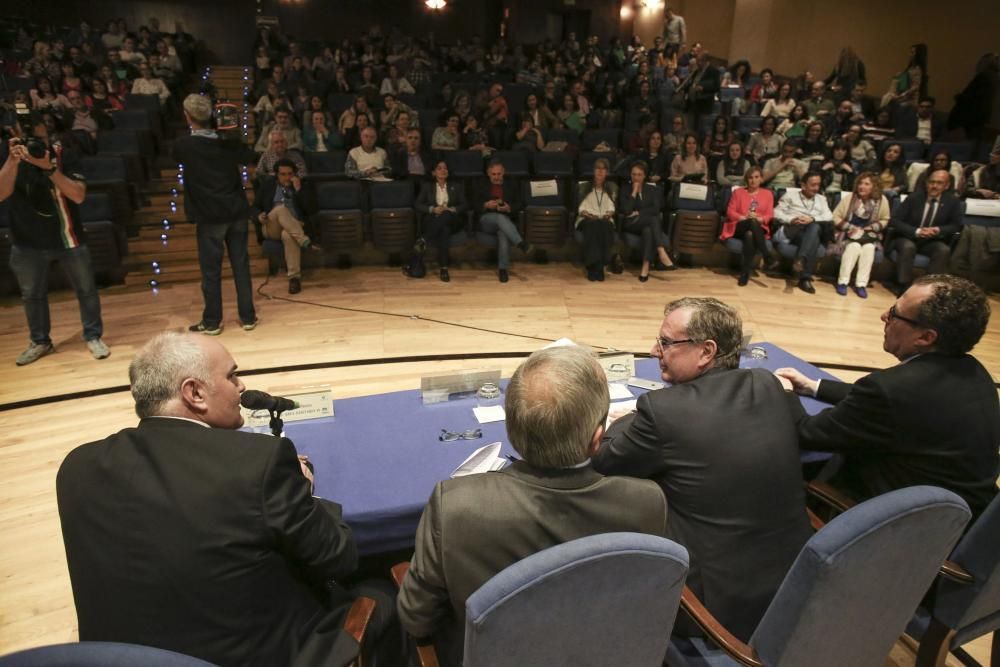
[(148, 84), (448, 137), (474, 527), (801, 217), (278, 150), (748, 218), (766, 89), (862, 152), (884, 433), (926, 223), (348, 119), (367, 161), (918, 172), (923, 125), (443, 205), (597, 220), (498, 203), (281, 207), (985, 183), (689, 164), (860, 220), (794, 126), (732, 169), (721, 443), (891, 172), (282, 123), (781, 104), (717, 141)]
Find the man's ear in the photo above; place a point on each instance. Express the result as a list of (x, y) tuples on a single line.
[(194, 395), (595, 442), (926, 340), (709, 351)]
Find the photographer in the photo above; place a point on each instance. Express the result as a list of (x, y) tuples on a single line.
[(45, 189)]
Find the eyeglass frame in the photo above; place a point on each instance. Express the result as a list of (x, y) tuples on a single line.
[(670, 343), (893, 314), (454, 436)]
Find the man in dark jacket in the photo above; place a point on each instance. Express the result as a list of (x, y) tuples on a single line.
[(411, 161), (214, 200), (926, 223), (932, 419), (280, 205), (187, 534)]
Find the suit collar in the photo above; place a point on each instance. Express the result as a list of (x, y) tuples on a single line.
[(554, 478), (170, 422)]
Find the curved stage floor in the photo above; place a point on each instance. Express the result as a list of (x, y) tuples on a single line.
[(310, 334)]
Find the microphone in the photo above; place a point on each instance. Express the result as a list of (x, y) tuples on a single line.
[(252, 399)]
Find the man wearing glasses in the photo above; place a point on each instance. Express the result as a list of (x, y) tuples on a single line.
[(932, 419), (721, 444)]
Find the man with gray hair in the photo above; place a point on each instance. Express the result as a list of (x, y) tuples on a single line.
[(215, 201), (187, 534), (474, 527), (722, 445)]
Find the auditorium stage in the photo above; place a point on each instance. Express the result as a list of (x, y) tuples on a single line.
[(540, 302)]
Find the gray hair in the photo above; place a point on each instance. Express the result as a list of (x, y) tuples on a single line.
[(159, 368), (199, 107), (554, 403), (715, 321)]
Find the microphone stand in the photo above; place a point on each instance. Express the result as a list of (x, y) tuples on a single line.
[(276, 424)]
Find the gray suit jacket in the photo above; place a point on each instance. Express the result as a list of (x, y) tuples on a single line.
[(473, 527), (725, 451)]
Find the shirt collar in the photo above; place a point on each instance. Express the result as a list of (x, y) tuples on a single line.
[(203, 132)]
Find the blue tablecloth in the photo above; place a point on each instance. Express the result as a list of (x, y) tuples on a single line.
[(380, 456)]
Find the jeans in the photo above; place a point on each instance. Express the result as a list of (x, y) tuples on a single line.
[(31, 267), (211, 238), (806, 238), (938, 251), (507, 234)]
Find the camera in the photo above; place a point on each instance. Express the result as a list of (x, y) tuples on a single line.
[(35, 146)]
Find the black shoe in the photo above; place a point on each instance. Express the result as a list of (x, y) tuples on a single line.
[(504, 276), (294, 285), (591, 275), (600, 275), (617, 264), (643, 279), (526, 247), (743, 280), (443, 274), (312, 247), (806, 285)]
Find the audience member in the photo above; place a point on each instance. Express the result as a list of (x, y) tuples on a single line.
[(926, 223), (396, 84), (785, 170), (147, 84), (474, 527), (886, 434), (732, 169), (717, 140), (349, 118), (447, 138), (282, 123), (918, 172), (596, 220), (923, 125), (700, 87), (721, 444), (911, 83), (541, 115), (410, 160), (569, 114), (838, 172), (860, 220), (656, 156), (43, 97), (801, 216), (985, 183), (215, 201), (280, 205), (673, 139), (766, 89), (862, 108), (891, 173), (862, 152), (794, 126), (841, 120), (818, 106), (640, 205), (689, 164), (813, 147), (498, 202), (216, 513), (766, 143), (367, 161), (44, 194), (278, 150), (849, 72), (748, 218), (674, 30), (442, 203), (881, 128), (527, 137)]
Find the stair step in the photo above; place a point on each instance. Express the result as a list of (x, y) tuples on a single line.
[(188, 273)]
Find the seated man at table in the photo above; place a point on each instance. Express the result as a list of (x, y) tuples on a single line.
[(473, 527), (190, 535), (721, 444), (932, 419)]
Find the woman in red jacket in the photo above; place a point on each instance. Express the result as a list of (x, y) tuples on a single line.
[(748, 218)]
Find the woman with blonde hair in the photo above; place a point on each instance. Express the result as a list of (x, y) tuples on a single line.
[(859, 220)]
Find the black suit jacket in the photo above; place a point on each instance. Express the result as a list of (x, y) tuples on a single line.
[(263, 200), (207, 542), (908, 216), (213, 191), (711, 81), (932, 420), (649, 205), (906, 127), (511, 195), (724, 449), (427, 199), (399, 161)]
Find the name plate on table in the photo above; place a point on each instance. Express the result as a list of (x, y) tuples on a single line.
[(692, 191), (618, 366), (987, 207), (315, 402), (442, 387)]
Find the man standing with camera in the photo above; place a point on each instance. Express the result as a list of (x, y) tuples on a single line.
[(214, 200), (45, 191)]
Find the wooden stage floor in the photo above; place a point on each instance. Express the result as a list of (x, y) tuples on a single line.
[(540, 302)]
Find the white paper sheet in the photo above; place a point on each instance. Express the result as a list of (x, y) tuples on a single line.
[(616, 410), (489, 413), (484, 459), (619, 391)]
